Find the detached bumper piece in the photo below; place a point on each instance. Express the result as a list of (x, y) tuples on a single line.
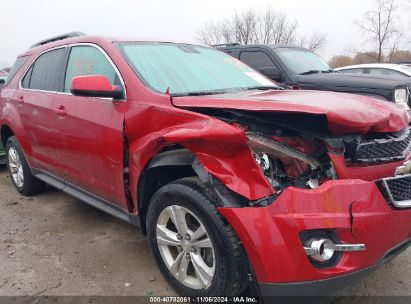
[(397, 190)]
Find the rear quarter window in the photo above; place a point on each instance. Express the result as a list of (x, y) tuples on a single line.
[(16, 67)]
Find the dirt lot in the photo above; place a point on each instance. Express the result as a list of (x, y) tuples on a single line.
[(53, 244)]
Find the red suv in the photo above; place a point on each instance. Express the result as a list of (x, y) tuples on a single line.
[(236, 181)]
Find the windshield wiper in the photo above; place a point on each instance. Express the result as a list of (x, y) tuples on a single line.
[(203, 93), (316, 72), (198, 93), (264, 88), (311, 72)]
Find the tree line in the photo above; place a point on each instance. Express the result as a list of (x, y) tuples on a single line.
[(259, 27), (384, 38)]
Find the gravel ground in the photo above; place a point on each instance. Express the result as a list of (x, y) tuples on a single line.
[(55, 245)]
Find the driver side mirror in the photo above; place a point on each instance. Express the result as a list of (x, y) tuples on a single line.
[(95, 86), (272, 73)]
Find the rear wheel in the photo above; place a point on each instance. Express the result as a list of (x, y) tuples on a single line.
[(196, 250), (23, 180)]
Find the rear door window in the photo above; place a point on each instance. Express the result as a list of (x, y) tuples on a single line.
[(257, 60), (88, 60), (46, 72)]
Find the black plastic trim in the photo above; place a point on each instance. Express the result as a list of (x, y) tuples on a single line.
[(57, 38), (87, 197)]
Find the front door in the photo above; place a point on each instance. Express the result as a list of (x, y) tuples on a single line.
[(92, 130)]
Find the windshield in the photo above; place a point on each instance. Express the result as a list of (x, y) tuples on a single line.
[(190, 69), (301, 61)]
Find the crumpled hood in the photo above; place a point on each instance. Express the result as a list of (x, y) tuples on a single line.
[(345, 113)]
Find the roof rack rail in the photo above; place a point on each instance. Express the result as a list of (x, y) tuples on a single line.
[(226, 44), (59, 37)]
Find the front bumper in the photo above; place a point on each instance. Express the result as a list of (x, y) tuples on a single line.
[(328, 287), (354, 209)]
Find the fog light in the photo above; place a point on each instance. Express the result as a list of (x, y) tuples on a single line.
[(323, 250)]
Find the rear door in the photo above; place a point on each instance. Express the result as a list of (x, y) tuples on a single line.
[(35, 102), (91, 129)]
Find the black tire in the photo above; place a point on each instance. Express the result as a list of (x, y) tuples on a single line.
[(31, 184), (230, 276)]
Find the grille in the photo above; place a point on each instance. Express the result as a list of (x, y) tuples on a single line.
[(397, 190), (392, 147)]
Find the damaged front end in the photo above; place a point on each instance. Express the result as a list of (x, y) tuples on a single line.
[(328, 190), (292, 155)]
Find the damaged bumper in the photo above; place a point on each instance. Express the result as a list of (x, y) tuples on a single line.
[(355, 211)]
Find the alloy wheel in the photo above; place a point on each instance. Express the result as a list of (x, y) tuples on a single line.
[(16, 168), (185, 247)]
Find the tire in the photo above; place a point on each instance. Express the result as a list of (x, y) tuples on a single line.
[(24, 181), (223, 259)]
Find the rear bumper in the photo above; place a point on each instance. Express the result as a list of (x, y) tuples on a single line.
[(354, 209), (332, 287)]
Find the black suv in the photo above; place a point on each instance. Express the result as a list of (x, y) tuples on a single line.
[(300, 68)]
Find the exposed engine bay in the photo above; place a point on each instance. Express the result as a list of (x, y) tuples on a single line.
[(291, 161), (294, 150)]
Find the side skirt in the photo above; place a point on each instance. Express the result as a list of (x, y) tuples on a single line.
[(87, 197)]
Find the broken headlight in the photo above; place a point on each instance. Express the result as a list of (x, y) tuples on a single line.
[(263, 160), (272, 155)]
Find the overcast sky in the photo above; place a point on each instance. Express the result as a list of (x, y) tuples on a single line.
[(26, 21)]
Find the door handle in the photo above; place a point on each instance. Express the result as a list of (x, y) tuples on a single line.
[(60, 111)]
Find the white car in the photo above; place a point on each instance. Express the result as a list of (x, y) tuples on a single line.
[(377, 69)]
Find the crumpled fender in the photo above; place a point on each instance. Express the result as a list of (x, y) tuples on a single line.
[(219, 147)]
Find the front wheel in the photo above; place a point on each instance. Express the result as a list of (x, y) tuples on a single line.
[(196, 250)]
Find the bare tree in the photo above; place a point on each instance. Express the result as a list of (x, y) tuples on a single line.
[(315, 42), (250, 26), (244, 25), (275, 27), (400, 55), (366, 57), (210, 33), (379, 24)]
